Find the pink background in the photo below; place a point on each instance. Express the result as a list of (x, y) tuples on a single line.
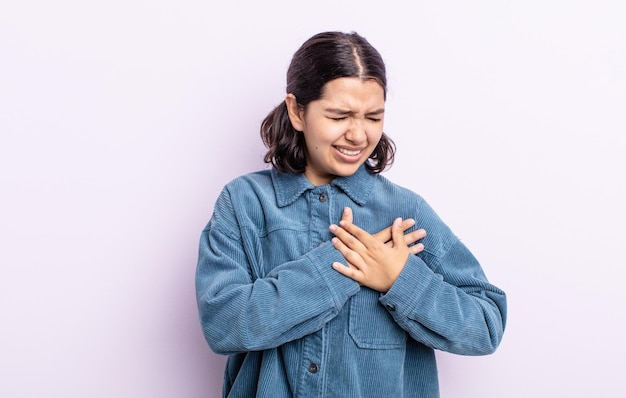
[(120, 122)]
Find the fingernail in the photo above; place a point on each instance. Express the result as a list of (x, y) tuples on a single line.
[(332, 227)]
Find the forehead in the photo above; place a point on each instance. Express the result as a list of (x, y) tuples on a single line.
[(353, 92)]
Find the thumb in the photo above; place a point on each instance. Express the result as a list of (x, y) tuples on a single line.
[(397, 234), (347, 215)]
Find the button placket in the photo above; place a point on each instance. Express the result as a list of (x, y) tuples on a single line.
[(312, 356), (320, 201)]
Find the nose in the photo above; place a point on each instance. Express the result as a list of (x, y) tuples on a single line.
[(356, 132)]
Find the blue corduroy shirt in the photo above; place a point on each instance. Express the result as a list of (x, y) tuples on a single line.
[(292, 326)]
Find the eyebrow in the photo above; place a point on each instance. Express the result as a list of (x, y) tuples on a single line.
[(338, 111)]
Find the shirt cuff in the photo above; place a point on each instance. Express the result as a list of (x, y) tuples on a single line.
[(414, 284), (340, 286)]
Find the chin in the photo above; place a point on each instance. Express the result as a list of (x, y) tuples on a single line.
[(347, 172)]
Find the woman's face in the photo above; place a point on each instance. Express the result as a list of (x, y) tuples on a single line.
[(341, 129)]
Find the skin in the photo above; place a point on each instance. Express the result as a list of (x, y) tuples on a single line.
[(375, 261), (341, 130)]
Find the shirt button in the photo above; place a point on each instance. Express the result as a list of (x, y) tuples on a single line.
[(313, 367), (391, 307), (322, 197)]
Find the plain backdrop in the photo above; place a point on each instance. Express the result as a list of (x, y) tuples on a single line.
[(121, 121)]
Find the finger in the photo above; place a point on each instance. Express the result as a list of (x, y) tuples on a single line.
[(414, 236), (397, 235), (385, 234), (351, 273), (347, 215), (352, 242), (415, 249), (359, 234), (351, 256), (411, 237)]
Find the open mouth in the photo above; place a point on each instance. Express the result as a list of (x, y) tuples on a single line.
[(349, 152)]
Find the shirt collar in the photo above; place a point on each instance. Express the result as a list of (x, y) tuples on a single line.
[(289, 186)]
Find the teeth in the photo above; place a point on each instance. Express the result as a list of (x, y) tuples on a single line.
[(347, 152)]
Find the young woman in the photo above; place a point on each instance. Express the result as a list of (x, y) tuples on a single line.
[(310, 277)]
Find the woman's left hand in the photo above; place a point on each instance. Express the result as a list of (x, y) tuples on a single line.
[(371, 262)]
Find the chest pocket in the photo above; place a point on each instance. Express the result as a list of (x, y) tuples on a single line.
[(371, 326)]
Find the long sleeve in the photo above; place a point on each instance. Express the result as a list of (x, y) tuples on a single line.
[(442, 297), (293, 326), (241, 310)]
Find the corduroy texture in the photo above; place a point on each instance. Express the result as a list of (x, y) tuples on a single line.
[(294, 327)]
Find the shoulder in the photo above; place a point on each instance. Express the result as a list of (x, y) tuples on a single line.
[(258, 180), (388, 189), (439, 236), (247, 188), (239, 196)]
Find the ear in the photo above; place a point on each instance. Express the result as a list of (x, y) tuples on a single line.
[(296, 113)]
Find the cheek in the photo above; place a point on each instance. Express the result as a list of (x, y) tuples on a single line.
[(314, 142), (322, 135), (375, 137)]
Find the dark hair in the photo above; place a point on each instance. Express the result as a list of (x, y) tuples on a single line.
[(322, 58)]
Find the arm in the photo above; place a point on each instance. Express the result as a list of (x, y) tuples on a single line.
[(451, 307), (441, 298), (240, 312)]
